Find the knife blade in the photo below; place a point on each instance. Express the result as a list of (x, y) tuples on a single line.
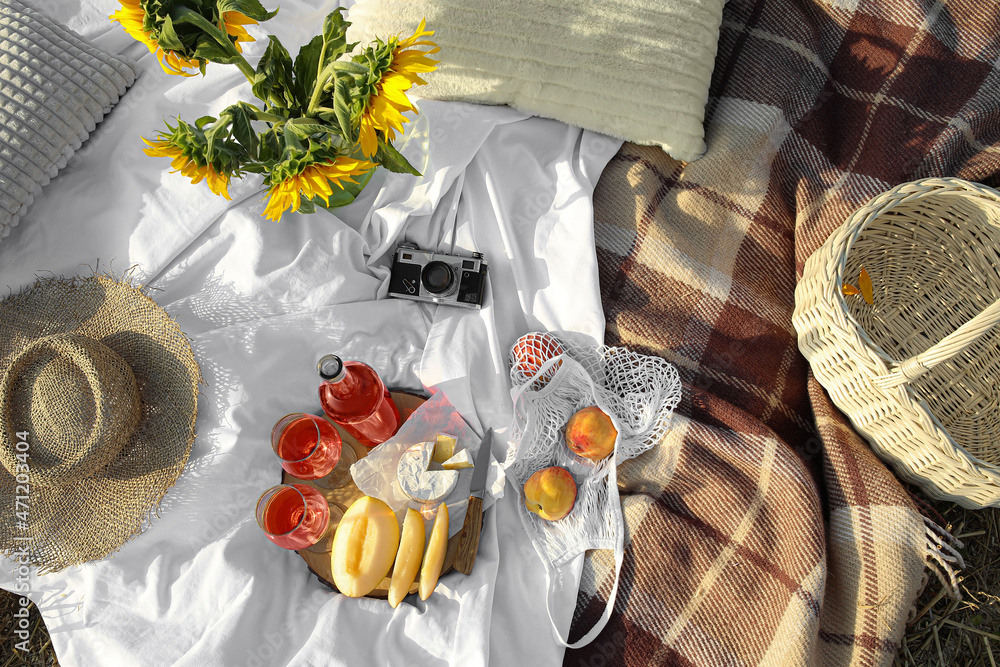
[(468, 539)]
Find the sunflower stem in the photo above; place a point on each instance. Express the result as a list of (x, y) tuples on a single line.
[(321, 79), (269, 117), (245, 67), (221, 38)]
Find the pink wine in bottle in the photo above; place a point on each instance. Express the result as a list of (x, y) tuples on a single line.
[(354, 396)]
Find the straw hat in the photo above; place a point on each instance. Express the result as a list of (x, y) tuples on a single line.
[(98, 399)]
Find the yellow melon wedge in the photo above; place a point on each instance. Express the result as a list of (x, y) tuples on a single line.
[(437, 546), (364, 546), (411, 552)]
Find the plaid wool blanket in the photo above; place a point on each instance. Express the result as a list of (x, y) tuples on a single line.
[(763, 530)]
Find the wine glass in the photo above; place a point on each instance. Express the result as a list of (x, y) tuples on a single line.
[(296, 516), (309, 447)]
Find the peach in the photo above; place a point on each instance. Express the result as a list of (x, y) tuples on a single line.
[(550, 493), (528, 354), (591, 434)]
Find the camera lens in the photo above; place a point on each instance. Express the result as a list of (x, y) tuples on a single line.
[(437, 277)]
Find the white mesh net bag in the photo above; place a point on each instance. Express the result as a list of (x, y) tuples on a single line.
[(552, 378)]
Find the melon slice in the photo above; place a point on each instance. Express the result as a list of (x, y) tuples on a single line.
[(430, 571), (411, 552), (364, 546)]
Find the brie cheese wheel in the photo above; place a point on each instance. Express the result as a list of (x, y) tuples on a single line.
[(419, 483), (459, 461)]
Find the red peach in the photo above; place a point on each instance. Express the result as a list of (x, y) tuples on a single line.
[(550, 493), (591, 434)]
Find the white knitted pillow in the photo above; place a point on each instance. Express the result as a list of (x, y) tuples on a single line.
[(638, 70), (54, 89)]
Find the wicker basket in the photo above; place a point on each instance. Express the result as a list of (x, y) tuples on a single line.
[(918, 371)]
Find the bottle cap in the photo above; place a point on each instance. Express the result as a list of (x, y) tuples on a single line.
[(330, 367)]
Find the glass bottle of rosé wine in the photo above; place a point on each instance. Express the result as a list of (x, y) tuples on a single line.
[(354, 396)]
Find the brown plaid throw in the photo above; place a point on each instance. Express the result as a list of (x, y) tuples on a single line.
[(763, 530)]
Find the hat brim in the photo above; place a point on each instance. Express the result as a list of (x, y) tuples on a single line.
[(89, 519)]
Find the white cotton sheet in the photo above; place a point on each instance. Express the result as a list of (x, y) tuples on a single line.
[(261, 302)]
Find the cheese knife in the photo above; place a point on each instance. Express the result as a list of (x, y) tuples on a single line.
[(468, 539)]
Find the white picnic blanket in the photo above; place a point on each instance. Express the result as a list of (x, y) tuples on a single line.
[(261, 301)]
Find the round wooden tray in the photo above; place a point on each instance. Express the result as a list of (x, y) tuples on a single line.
[(340, 499)]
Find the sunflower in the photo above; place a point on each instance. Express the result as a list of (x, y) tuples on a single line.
[(313, 181), (386, 106), (188, 166), (132, 17), (232, 23)]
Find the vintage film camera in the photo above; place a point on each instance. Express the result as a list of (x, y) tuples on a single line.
[(450, 280)]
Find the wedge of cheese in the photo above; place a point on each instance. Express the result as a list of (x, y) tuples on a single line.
[(444, 447), (459, 461), (416, 479)]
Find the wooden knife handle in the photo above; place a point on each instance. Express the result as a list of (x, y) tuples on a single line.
[(468, 539)]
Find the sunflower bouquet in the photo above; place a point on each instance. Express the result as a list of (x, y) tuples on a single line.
[(326, 119)]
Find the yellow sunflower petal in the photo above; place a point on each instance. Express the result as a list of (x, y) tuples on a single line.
[(237, 18), (417, 34), (275, 206), (160, 149), (218, 183), (179, 162), (367, 137), (865, 283)]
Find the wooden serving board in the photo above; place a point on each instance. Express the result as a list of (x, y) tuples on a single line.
[(340, 499)]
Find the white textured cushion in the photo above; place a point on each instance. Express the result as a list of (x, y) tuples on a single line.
[(635, 69), (54, 89)]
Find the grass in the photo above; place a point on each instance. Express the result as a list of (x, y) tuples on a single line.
[(943, 632), (40, 652), (962, 633)]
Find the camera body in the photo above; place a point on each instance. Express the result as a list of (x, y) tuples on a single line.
[(450, 280)]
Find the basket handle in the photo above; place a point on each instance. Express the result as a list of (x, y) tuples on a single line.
[(945, 349)]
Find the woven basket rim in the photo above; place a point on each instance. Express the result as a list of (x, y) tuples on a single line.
[(869, 360), (878, 205)]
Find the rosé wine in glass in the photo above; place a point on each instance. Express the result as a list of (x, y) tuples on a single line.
[(309, 447), (295, 516)]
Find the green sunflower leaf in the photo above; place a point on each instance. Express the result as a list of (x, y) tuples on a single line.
[(307, 64), (185, 16), (243, 132), (249, 8), (275, 82), (305, 128), (335, 35), (254, 168), (342, 108), (209, 49), (393, 160), (293, 143), (270, 145), (351, 68), (168, 38)]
